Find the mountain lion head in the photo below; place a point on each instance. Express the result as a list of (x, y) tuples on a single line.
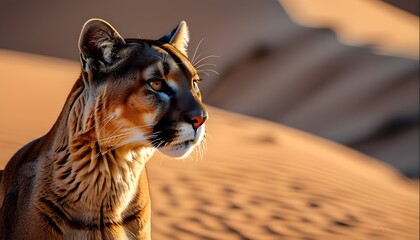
[(141, 92)]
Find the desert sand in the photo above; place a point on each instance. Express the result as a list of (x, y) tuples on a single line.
[(256, 179)]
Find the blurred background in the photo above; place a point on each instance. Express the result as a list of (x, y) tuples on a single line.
[(345, 70)]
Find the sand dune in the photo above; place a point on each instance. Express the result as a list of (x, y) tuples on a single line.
[(257, 179)]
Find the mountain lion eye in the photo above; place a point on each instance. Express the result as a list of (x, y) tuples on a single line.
[(156, 84)]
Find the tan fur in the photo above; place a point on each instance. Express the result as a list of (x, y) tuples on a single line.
[(86, 178)]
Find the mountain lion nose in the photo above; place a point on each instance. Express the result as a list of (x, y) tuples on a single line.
[(196, 121)]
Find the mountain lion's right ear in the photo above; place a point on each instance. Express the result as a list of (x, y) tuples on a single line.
[(179, 37), (98, 41)]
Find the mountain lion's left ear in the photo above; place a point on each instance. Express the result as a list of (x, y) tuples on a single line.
[(179, 37), (99, 41)]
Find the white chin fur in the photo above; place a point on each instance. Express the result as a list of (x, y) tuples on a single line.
[(180, 150), (183, 147)]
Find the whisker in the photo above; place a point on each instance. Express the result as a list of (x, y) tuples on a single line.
[(208, 134), (113, 137), (123, 143), (196, 49), (115, 131), (119, 145), (204, 73), (204, 58), (211, 70), (125, 133), (204, 147), (205, 64), (200, 153), (199, 55), (96, 123), (111, 117), (204, 144), (157, 143)]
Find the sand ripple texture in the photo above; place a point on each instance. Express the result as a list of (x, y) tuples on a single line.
[(260, 180)]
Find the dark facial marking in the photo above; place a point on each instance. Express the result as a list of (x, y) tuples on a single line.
[(166, 68)]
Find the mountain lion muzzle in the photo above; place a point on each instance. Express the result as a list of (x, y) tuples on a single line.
[(86, 178)]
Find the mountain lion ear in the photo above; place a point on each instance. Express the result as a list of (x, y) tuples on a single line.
[(179, 37), (98, 41)]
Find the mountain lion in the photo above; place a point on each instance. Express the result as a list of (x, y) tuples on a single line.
[(86, 178)]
